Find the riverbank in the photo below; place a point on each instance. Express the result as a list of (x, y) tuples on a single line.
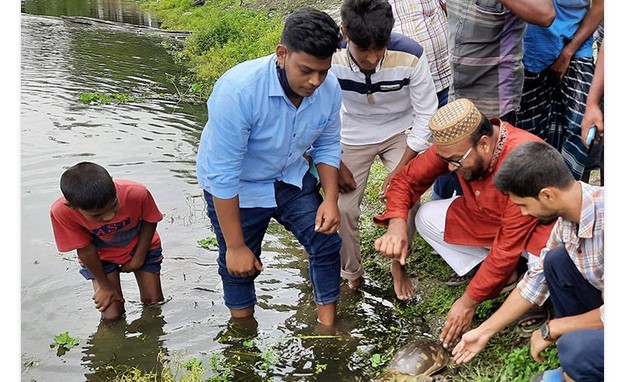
[(224, 33)]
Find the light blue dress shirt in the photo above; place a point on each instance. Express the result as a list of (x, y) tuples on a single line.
[(255, 136)]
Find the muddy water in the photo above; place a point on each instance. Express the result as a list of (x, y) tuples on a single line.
[(155, 142)]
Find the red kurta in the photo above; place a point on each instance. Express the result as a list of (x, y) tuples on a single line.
[(482, 217)]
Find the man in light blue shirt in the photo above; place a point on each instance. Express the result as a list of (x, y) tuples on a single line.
[(266, 117)]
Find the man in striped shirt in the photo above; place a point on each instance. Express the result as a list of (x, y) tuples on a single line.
[(570, 269), (388, 98)]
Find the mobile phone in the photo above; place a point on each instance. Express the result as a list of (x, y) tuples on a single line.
[(591, 135)]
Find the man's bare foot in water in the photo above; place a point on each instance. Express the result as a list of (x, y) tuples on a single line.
[(403, 286), (356, 283)]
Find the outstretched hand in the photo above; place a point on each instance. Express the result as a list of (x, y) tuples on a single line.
[(470, 345), (458, 320)]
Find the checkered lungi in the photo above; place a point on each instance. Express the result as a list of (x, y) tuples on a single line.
[(553, 109)]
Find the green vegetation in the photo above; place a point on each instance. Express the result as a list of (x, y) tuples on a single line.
[(208, 243), (379, 360), (64, 342), (224, 33), (105, 98)]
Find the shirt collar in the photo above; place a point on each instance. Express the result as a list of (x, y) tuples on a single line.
[(274, 86), (355, 68)]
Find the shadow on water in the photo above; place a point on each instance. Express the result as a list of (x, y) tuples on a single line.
[(155, 142)]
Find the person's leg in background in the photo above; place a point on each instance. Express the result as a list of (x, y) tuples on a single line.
[(359, 160), (391, 152)]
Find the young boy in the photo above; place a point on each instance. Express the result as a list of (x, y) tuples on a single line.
[(112, 226), (388, 98)]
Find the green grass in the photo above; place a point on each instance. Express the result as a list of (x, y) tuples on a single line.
[(224, 33), (506, 357)]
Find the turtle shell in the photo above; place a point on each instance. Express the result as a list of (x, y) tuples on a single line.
[(422, 356)]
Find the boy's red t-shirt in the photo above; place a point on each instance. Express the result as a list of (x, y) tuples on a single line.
[(115, 240)]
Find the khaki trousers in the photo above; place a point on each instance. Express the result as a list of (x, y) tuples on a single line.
[(359, 160)]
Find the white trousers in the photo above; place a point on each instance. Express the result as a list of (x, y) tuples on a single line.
[(430, 222)]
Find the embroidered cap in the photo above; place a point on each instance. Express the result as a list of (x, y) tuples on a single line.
[(454, 121)]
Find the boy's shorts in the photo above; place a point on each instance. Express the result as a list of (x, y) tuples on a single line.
[(153, 261)]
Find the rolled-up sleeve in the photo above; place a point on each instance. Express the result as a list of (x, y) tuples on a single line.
[(533, 287)]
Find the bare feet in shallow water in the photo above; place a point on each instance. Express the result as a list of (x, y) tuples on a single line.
[(403, 286), (356, 283)]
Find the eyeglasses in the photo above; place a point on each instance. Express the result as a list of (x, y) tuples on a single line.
[(457, 163)]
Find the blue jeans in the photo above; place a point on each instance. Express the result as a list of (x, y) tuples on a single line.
[(581, 352), (570, 293), (296, 211), (153, 264)]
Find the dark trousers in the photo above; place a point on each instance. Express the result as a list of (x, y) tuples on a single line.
[(296, 211), (581, 352)]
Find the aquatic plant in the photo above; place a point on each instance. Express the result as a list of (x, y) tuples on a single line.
[(64, 342)]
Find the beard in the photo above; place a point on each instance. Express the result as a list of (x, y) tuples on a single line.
[(477, 172)]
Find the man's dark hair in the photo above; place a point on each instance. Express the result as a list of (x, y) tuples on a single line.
[(485, 127), (530, 167), (367, 23), (311, 31), (88, 186)]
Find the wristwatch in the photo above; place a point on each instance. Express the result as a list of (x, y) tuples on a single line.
[(545, 331)]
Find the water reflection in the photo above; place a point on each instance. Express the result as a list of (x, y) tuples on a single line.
[(122, 11), (105, 353)]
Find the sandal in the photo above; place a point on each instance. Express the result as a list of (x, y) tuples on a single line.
[(532, 320), (549, 376), (456, 280)]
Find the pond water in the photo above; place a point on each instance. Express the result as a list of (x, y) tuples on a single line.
[(155, 142)]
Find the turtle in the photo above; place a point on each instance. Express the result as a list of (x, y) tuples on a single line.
[(417, 360)]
